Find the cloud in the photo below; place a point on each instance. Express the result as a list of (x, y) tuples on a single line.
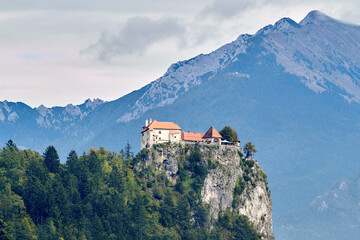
[(136, 36), (227, 9)]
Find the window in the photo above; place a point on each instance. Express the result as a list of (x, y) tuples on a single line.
[(159, 132), (174, 136), (159, 138)]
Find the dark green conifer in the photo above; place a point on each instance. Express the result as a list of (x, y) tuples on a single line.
[(51, 159)]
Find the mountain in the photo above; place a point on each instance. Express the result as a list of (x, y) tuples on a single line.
[(291, 88), (331, 215), (36, 127)]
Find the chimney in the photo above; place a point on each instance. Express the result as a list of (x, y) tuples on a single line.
[(146, 123), (150, 120)]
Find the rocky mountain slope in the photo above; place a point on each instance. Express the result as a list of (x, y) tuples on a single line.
[(231, 182), (292, 88), (32, 127), (338, 207)]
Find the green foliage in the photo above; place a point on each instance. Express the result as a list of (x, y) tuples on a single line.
[(11, 144), (241, 155), (239, 187), (213, 165), (229, 134), (249, 163), (51, 158), (237, 191), (246, 177), (142, 156), (127, 151), (234, 226), (263, 175), (99, 195), (249, 149)]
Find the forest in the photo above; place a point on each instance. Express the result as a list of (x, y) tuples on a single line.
[(103, 195)]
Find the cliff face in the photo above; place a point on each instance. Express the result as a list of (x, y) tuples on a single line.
[(232, 182)]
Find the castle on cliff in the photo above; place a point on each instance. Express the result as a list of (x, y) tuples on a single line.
[(161, 132)]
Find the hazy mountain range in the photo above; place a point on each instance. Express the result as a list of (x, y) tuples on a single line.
[(291, 88), (335, 214)]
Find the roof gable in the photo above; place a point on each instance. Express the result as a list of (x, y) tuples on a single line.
[(212, 133)]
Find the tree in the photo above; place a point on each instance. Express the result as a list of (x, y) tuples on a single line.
[(51, 159), (10, 157), (249, 149), (10, 144), (72, 162), (95, 164), (229, 134), (128, 152)]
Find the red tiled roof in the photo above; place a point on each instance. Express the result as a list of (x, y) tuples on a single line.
[(212, 133), (161, 125), (192, 136)]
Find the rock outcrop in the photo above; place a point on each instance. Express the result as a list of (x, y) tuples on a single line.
[(232, 182)]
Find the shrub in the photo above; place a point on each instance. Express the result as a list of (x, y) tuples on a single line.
[(158, 192), (239, 187), (250, 163), (246, 177), (201, 171)]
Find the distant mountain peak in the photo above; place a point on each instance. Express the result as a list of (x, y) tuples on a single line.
[(42, 110), (93, 103), (316, 17), (321, 51), (302, 49), (283, 25)]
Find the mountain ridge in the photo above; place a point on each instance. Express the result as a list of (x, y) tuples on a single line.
[(293, 91), (159, 92)]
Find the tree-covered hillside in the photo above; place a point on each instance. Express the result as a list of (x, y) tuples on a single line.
[(100, 195)]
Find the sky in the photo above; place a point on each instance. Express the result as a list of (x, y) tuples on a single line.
[(64, 51)]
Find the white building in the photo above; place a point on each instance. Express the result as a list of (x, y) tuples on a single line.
[(159, 132), (162, 132)]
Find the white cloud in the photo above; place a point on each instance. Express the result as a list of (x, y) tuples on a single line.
[(136, 36), (40, 41), (228, 9)]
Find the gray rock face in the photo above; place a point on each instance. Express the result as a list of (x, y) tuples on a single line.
[(229, 169), (254, 201)]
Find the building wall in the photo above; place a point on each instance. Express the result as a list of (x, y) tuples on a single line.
[(175, 137), (145, 139), (159, 136), (163, 135)]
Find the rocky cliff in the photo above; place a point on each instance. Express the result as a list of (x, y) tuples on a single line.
[(229, 183)]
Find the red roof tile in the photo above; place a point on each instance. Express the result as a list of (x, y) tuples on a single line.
[(161, 125), (212, 133), (192, 136)]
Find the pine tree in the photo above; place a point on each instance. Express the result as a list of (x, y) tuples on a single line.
[(51, 158), (128, 152), (10, 144), (72, 162)]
